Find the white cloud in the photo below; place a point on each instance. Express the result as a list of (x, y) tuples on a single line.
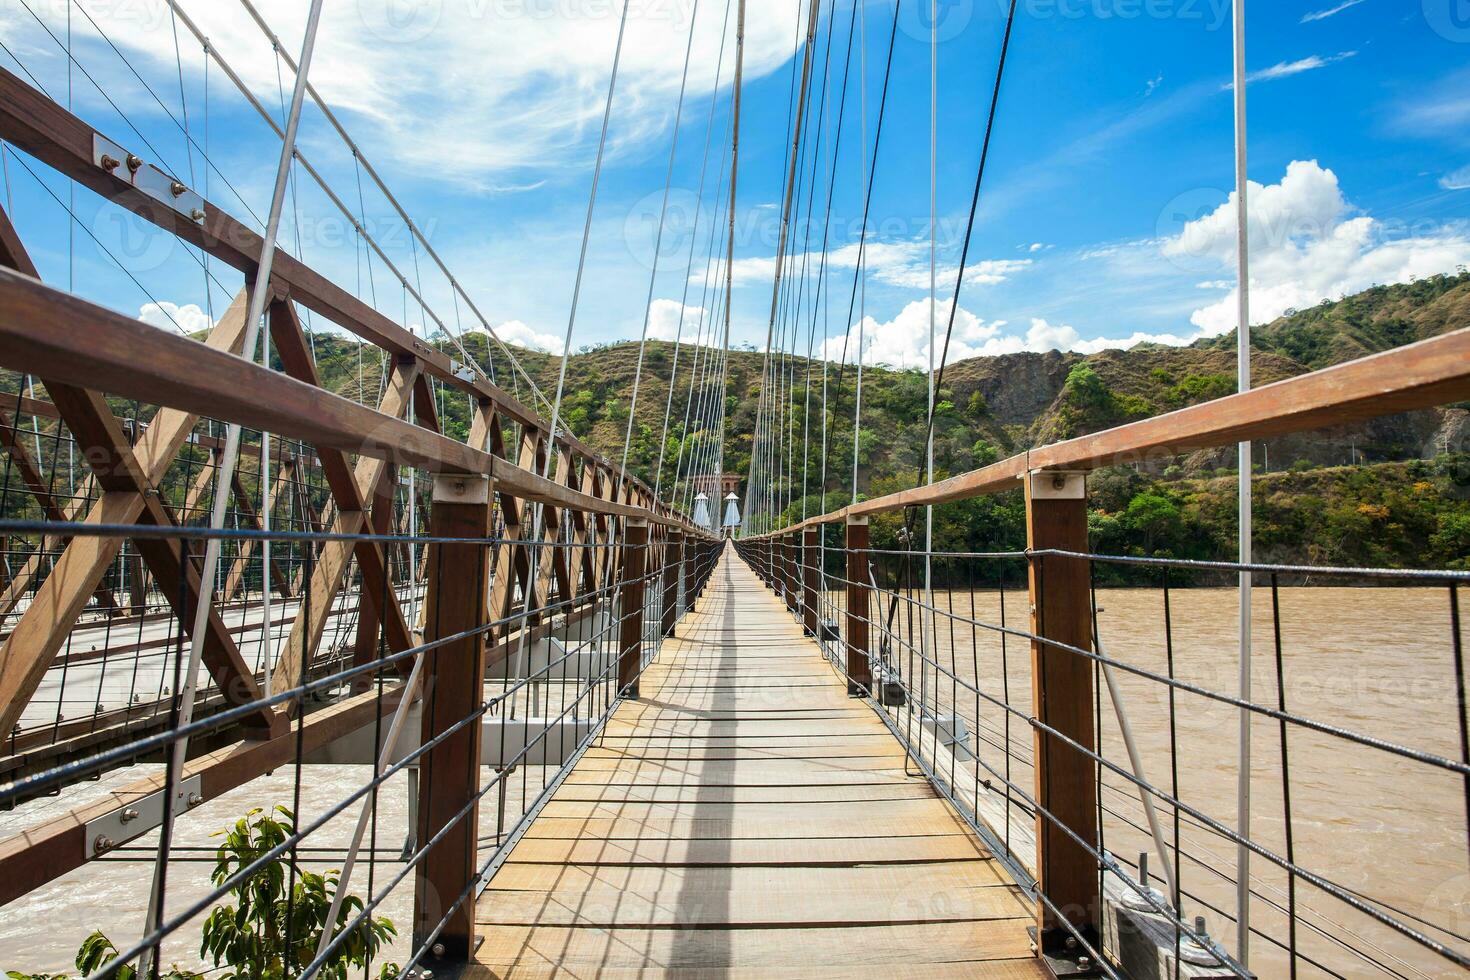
[(1284, 69), (903, 341), (663, 320), (1456, 180), (516, 332), (1329, 12), (486, 93), (1152, 84), (170, 316), (1308, 244), (904, 264)]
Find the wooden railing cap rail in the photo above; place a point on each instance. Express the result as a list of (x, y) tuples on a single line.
[(1419, 375), (86, 345)]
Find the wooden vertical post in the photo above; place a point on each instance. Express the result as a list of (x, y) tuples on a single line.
[(859, 670), (811, 538), (457, 600), (691, 572), (630, 646), (1062, 699), (788, 567), (673, 560)]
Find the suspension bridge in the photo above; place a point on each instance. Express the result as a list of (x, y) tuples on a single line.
[(527, 712)]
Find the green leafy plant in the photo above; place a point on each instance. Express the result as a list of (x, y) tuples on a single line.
[(273, 929), (273, 926)]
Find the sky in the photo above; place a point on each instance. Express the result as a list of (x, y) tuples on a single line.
[(1105, 217)]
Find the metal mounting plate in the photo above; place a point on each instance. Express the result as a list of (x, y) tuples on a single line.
[(1058, 484), (161, 187), (138, 817)]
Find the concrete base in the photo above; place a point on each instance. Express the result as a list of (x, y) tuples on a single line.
[(552, 742)]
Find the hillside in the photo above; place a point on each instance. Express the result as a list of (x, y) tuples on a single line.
[(1324, 496)]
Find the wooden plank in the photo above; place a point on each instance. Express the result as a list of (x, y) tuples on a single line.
[(580, 951), (712, 831), (766, 851), (912, 898), (655, 881)]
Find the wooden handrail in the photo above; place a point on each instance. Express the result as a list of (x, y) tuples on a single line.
[(83, 343), (1419, 375), (47, 131)]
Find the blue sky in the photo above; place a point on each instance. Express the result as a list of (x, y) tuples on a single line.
[(1103, 220)]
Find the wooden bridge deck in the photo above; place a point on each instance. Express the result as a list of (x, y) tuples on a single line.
[(744, 817)]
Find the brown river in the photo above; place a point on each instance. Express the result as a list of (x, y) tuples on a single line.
[(1377, 661)]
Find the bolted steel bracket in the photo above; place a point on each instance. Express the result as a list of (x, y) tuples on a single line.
[(1063, 956)]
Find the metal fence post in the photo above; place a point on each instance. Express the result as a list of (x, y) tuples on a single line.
[(1062, 701), (630, 647), (457, 601), (859, 669)]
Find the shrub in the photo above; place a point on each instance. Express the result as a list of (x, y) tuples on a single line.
[(249, 940)]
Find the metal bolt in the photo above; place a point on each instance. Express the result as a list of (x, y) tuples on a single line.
[(197, 214), (1059, 481), (135, 163), (128, 815), (176, 188), (102, 844), (437, 949), (194, 799), (110, 163)]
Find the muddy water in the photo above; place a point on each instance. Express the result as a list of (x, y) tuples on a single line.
[(1377, 661)]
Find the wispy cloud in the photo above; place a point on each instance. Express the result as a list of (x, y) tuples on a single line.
[(1152, 84), (1285, 69), (1456, 180), (1329, 12)]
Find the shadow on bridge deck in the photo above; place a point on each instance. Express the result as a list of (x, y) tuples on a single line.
[(746, 818)]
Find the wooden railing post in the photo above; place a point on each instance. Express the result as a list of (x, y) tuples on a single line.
[(691, 572), (1062, 700), (673, 561), (630, 646), (457, 601), (859, 670), (811, 538), (788, 563)]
